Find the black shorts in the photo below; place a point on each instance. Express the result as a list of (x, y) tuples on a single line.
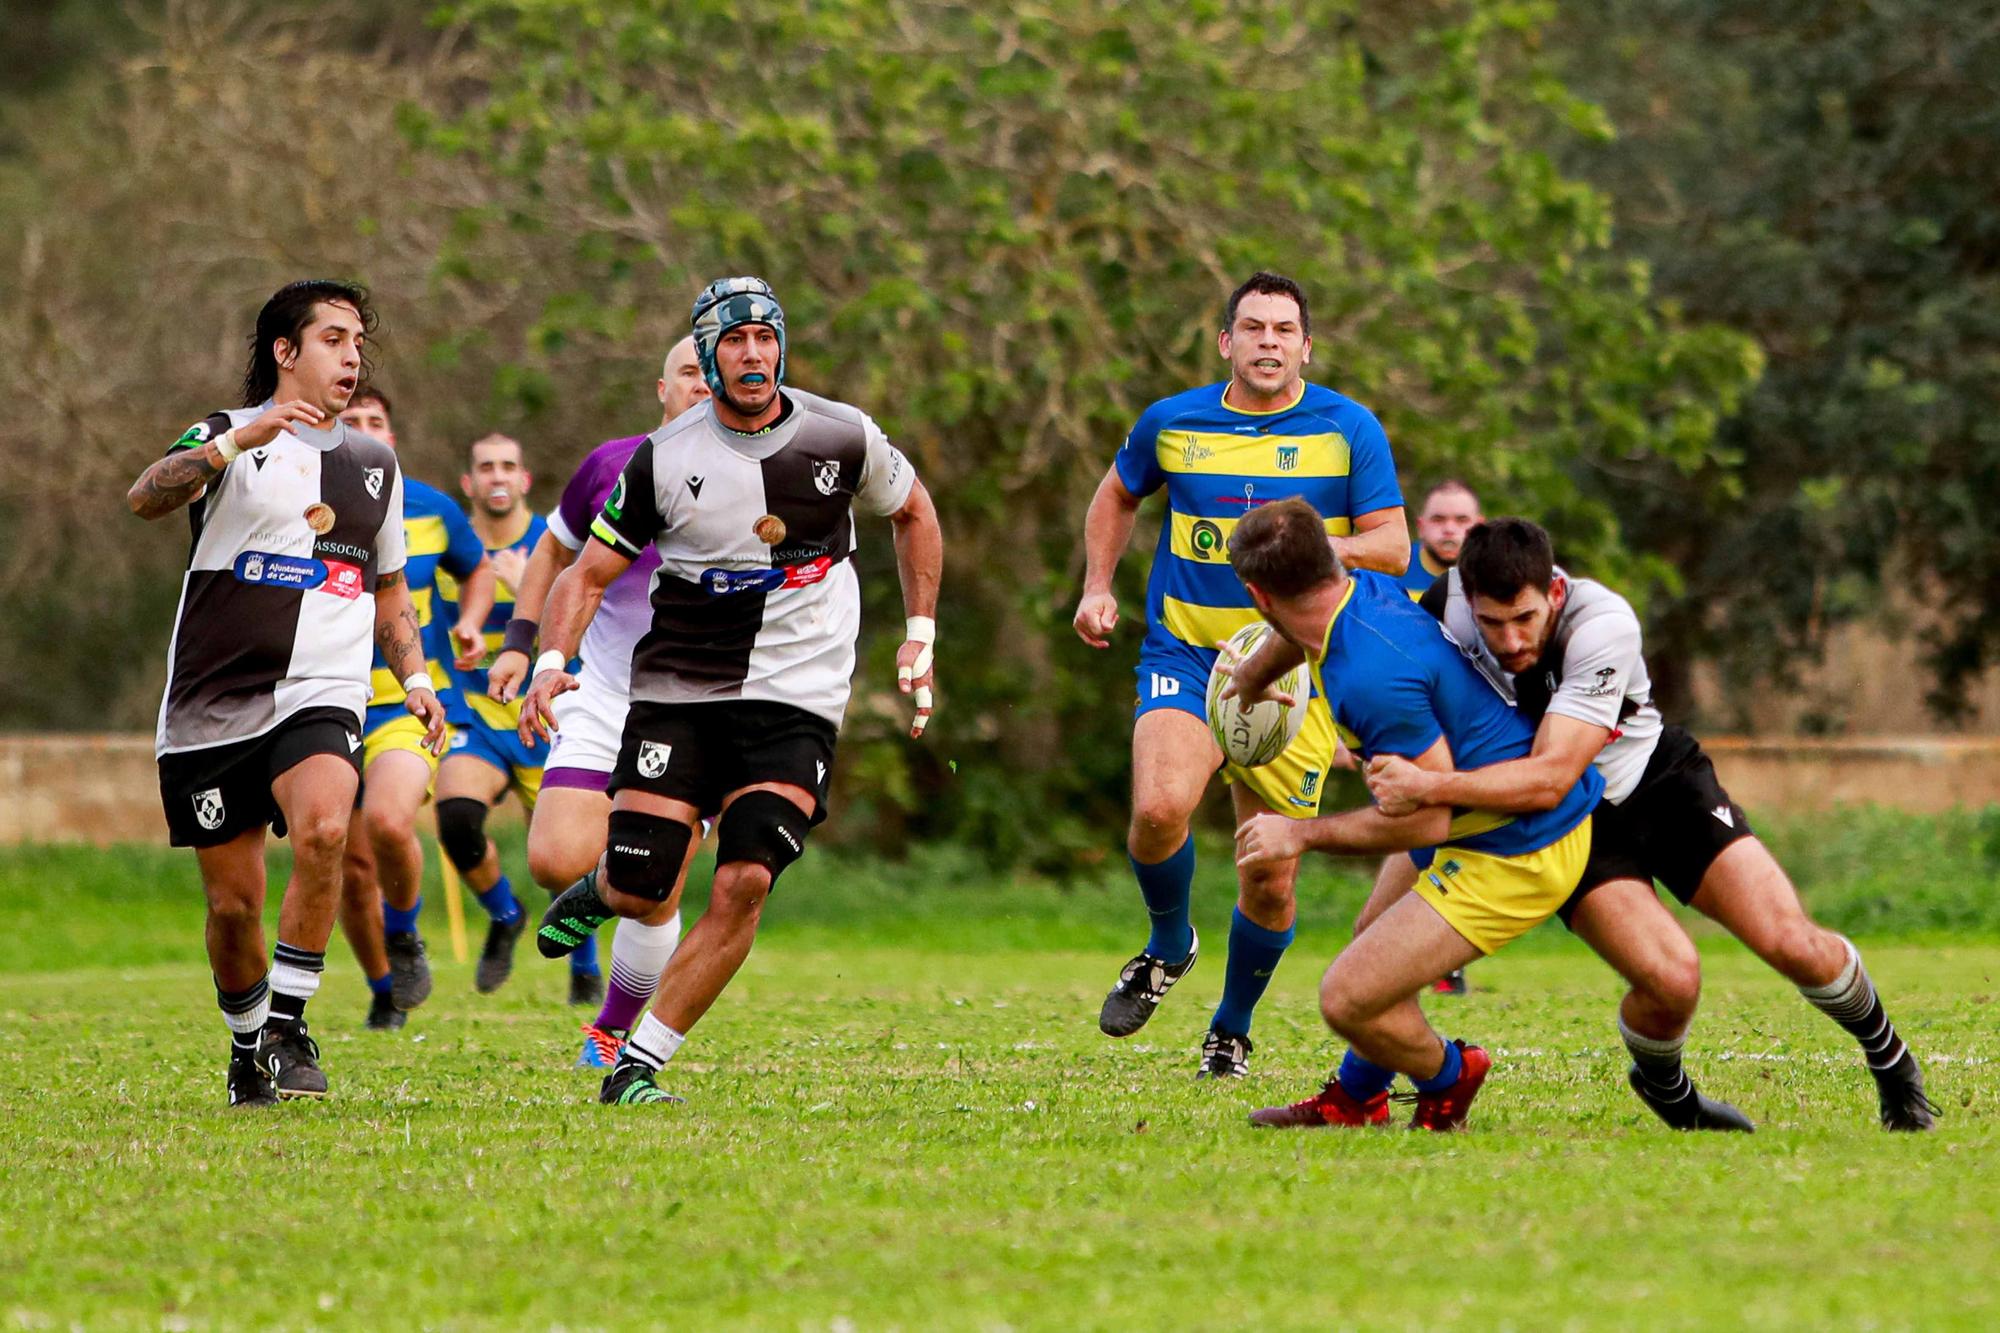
[(699, 753), (1671, 828), (213, 795)]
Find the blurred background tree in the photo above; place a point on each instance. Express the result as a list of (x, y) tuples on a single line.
[(1001, 232)]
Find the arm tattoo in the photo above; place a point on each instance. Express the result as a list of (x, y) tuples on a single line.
[(172, 482), (397, 633)]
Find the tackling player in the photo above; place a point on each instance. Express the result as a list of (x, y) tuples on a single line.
[(1569, 650), (1220, 450), (297, 561), (488, 757), (566, 840), (382, 883), (1397, 685), (740, 684)]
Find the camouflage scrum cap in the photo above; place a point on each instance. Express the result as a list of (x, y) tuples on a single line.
[(725, 304)]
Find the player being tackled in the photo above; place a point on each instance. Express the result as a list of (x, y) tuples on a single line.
[(1396, 684)]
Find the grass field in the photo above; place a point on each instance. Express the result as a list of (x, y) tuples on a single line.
[(902, 1116)]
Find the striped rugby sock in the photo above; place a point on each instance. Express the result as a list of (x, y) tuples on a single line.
[(295, 974), (1850, 1000), (245, 1011), (1658, 1060)]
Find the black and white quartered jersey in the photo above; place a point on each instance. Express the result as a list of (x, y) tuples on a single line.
[(1593, 670), (756, 596), (277, 610)]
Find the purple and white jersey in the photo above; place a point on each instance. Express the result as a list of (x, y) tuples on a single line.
[(625, 614)]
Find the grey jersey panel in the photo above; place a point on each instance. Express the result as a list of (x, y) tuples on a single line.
[(1593, 670)]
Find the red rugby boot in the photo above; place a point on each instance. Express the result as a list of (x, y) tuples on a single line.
[(1329, 1106), (1445, 1111)]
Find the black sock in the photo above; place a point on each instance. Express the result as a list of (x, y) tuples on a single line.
[(245, 1012), (295, 977), (1658, 1060), (1850, 1000)]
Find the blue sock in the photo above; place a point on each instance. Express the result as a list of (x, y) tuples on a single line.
[(1362, 1079), (379, 985), (1166, 887), (500, 903), (1253, 956), (1447, 1073), (395, 921), (583, 959)]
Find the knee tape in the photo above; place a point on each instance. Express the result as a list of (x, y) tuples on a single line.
[(462, 831), (765, 828), (643, 853)]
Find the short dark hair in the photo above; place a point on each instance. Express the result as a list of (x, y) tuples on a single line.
[(285, 316), (1504, 555), (368, 393), (1281, 547), (1268, 284), (495, 437), (1447, 485)]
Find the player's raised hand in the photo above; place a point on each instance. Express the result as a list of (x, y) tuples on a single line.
[(1229, 662), (1398, 786), (916, 676), (503, 678), (279, 418), (470, 641), (425, 706), (1264, 838), (538, 718), (1096, 617), (508, 566)]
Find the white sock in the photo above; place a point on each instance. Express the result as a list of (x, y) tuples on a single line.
[(639, 954), (652, 1043)]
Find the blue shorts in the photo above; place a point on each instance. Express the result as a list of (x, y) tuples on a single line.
[(522, 764), (1173, 674)]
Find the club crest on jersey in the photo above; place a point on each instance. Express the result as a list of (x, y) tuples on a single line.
[(826, 475), (208, 808), (372, 479), (1206, 538), (1288, 458), (653, 758), (1309, 783)]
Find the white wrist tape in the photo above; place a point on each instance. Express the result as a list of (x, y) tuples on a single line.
[(923, 630), (419, 680), (225, 444), (549, 661)]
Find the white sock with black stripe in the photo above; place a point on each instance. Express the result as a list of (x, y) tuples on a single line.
[(245, 1012), (651, 1044), (1850, 1000)]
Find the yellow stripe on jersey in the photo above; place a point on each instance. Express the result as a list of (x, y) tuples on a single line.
[(425, 535), (499, 716), (388, 689), (1464, 823), (1216, 454), (1204, 626), (1206, 540)]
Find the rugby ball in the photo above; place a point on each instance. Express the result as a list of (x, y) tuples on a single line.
[(1255, 736)]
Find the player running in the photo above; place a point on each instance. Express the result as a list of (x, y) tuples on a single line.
[(1569, 650), (1397, 685), (1219, 450), (566, 840), (741, 681), (297, 562), (488, 757), (382, 881)]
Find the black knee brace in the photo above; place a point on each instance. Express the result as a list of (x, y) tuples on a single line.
[(643, 853), (462, 831), (765, 828)]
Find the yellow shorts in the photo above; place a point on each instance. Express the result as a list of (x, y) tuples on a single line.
[(1291, 784), (401, 733), (1492, 900)]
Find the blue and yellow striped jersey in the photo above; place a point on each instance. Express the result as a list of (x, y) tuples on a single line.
[(439, 538), (1217, 462), (472, 698), (1422, 573)]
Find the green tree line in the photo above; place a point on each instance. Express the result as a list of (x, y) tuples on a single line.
[(1002, 231)]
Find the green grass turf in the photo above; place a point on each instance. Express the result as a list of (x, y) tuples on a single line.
[(902, 1116)]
